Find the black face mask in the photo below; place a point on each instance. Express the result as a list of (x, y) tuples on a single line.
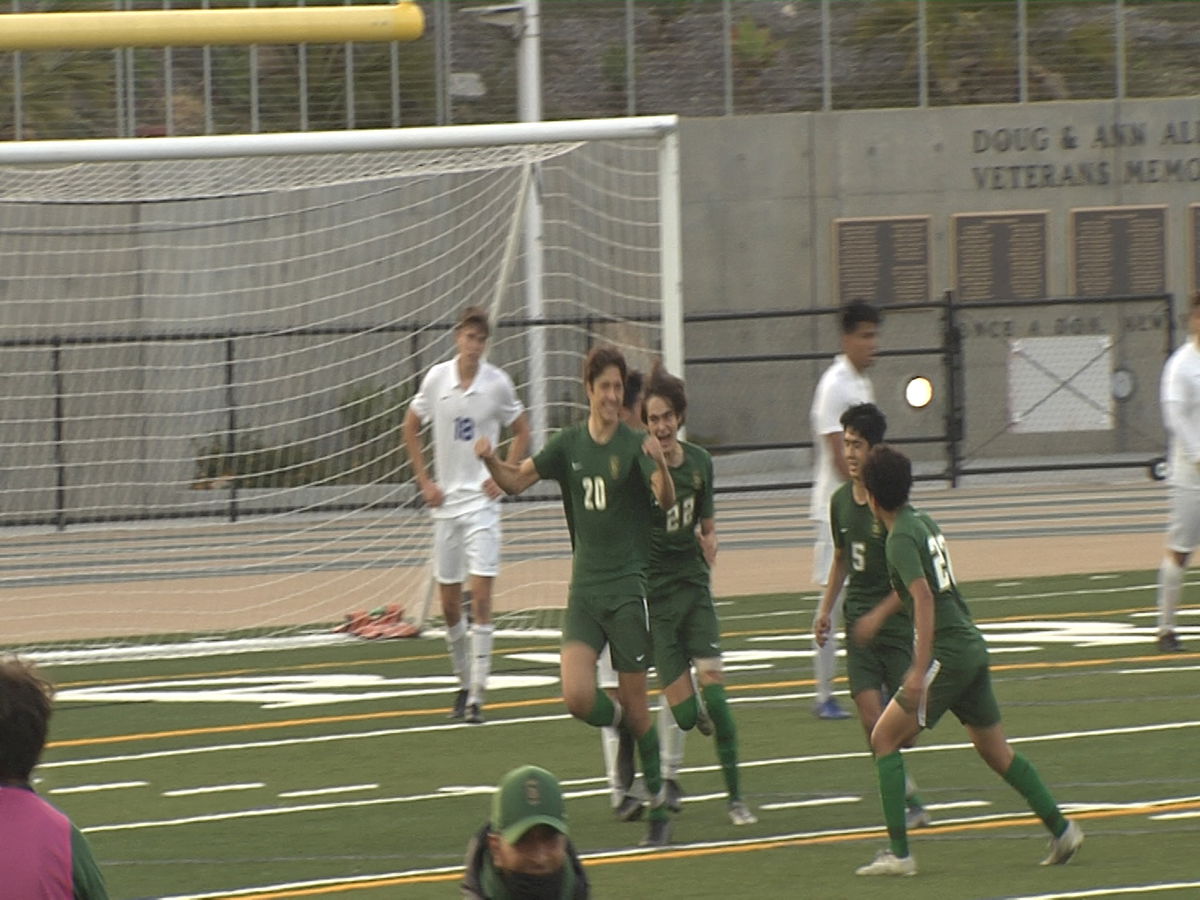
[(522, 886)]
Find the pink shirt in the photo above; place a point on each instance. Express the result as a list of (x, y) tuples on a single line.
[(35, 847)]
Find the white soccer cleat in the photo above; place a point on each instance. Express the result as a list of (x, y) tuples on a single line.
[(740, 814), (1063, 847), (888, 863), (916, 817)]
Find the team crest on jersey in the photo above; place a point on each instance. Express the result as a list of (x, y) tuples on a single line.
[(697, 481), (876, 528), (614, 466)]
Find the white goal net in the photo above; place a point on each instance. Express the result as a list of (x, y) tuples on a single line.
[(207, 346)]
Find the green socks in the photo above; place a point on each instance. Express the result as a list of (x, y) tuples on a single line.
[(686, 713), (647, 746), (604, 711), (1024, 777), (726, 736), (891, 793)]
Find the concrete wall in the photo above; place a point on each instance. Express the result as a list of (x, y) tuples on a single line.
[(761, 195)]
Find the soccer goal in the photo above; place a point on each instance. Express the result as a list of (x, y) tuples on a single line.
[(207, 345)]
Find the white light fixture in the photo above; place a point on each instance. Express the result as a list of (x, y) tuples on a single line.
[(918, 393)]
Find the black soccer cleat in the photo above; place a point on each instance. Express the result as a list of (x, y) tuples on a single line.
[(460, 705), (630, 808), (474, 715), (658, 834)]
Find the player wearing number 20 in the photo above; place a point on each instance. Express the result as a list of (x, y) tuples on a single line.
[(611, 476), (949, 670)]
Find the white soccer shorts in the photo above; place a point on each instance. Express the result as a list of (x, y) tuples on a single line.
[(468, 544), (606, 675), (822, 557), (1183, 522)]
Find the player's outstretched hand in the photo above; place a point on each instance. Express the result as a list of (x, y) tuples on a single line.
[(493, 490)]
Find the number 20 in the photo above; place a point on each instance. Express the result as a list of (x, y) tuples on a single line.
[(595, 494)]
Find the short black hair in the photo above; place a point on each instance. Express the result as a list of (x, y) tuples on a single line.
[(867, 420), (887, 476), (857, 312), (663, 384), (633, 388)]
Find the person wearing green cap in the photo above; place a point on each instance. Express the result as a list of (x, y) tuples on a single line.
[(524, 852)]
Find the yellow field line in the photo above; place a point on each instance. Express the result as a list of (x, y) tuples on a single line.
[(694, 852), (540, 701)]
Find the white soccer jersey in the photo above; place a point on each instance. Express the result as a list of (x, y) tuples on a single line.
[(460, 416), (1179, 394), (841, 387)]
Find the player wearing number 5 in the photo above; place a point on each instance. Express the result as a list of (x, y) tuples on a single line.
[(949, 670), (610, 476), (465, 398)]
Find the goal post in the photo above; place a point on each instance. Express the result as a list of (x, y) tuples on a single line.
[(208, 343)]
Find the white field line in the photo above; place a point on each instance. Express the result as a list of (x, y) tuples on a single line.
[(108, 786), (768, 840), (1113, 891), (387, 801)]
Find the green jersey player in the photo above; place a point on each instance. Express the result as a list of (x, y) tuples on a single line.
[(611, 477), (949, 670), (875, 667), (683, 620)]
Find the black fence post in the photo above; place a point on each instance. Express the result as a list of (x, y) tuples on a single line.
[(952, 340)]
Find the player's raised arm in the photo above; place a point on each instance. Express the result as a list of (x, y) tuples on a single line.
[(513, 478), (660, 479)]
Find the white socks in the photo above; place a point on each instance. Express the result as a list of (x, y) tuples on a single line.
[(608, 744), (670, 741), (481, 661), (456, 641), (1170, 586), (825, 658)]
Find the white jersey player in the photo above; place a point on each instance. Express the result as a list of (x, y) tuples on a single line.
[(1179, 394), (465, 398), (844, 384)]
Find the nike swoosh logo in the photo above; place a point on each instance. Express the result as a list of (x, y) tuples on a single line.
[(639, 657)]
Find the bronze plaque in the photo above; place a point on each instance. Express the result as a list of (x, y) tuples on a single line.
[(1000, 256), (882, 260), (1119, 250)]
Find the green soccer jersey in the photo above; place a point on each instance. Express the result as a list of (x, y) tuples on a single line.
[(916, 549), (609, 503), (861, 538), (675, 553)]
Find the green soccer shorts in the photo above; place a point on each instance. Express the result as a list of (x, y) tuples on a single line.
[(880, 666), (683, 627), (964, 688), (620, 621)]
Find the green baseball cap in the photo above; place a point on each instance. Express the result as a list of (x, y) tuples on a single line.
[(527, 796)]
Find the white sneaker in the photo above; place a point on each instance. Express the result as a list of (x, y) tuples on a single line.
[(1063, 847), (888, 863), (740, 814)]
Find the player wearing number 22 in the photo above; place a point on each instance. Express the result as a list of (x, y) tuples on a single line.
[(684, 626), (611, 476), (949, 670)]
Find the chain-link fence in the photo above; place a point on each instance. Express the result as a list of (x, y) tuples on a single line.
[(610, 57)]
